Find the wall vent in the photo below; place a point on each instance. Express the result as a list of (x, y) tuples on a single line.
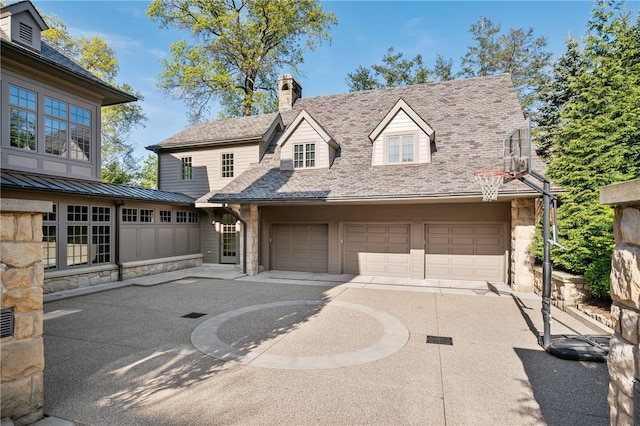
[(26, 33), (6, 323)]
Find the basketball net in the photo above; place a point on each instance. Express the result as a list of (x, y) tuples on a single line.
[(490, 182)]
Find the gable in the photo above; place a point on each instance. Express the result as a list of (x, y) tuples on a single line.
[(23, 24), (306, 131)]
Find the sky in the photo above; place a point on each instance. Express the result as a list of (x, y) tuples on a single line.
[(365, 30)]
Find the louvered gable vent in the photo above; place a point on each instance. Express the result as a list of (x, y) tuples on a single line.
[(6, 323), (26, 33)]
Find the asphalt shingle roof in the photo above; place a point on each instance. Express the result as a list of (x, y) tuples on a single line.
[(470, 117)]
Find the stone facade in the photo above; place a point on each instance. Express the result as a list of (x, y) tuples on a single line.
[(567, 290), (523, 224), (22, 275), (624, 357)]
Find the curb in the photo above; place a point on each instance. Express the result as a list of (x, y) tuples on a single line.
[(589, 322)]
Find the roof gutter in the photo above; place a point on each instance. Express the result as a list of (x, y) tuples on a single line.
[(202, 144)]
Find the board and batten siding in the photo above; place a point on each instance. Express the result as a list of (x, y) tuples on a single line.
[(402, 123), (304, 134), (207, 171)]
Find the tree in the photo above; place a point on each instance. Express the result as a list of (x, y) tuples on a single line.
[(554, 95), (394, 71), (518, 52), (243, 45), (442, 70), (148, 177), (118, 121), (598, 142)]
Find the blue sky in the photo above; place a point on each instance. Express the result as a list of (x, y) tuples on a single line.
[(365, 31)]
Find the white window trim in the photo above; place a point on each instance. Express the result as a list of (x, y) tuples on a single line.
[(304, 152), (416, 145)]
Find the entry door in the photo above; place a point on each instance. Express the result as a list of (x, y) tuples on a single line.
[(228, 240)]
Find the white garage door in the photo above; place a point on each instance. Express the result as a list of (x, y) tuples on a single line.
[(300, 247), (465, 251), (377, 249)]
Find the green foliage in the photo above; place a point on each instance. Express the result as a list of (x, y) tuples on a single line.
[(597, 142), (241, 47), (148, 177), (118, 121), (598, 276)]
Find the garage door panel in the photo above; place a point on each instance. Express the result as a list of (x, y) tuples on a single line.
[(301, 247), (377, 249), (465, 251)]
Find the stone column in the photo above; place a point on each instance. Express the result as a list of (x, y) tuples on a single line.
[(22, 276), (249, 213), (624, 355), (523, 224)]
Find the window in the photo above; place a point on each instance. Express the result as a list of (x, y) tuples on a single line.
[(227, 165), (49, 238), (67, 130), (181, 217), (146, 216), (400, 149), (165, 216), (101, 235), (304, 155), (186, 168), (129, 215), (23, 118), (193, 217), (88, 241)]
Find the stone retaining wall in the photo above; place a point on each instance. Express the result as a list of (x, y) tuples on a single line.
[(624, 356), (567, 290), (22, 273)]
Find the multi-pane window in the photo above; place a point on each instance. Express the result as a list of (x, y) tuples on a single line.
[(101, 235), (23, 118), (50, 238), (400, 149), (181, 217), (88, 236), (165, 216), (304, 155), (67, 130), (129, 215), (186, 168), (227, 165), (193, 217), (146, 216)]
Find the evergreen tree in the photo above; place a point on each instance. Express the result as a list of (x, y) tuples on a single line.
[(598, 142)]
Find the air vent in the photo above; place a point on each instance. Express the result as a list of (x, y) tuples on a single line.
[(6, 323), (26, 33)]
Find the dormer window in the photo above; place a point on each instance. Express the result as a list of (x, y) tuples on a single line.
[(304, 155), (26, 33), (401, 149)]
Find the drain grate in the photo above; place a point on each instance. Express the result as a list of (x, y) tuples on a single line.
[(193, 315), (6, 323), (439, 340)]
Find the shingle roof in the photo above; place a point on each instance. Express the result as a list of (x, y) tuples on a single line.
[(470, 117), (219, 131), (68, 186)]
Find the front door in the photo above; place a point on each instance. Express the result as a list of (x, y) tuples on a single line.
[(228, 240)]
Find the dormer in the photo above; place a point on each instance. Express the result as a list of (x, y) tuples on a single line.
[(23, 24), (306, 145), (402, 137)]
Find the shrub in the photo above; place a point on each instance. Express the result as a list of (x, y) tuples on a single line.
[(598, 276)]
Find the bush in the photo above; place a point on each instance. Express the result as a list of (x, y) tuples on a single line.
[(598, 277)]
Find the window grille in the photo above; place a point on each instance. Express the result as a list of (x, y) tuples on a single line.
[(146, 216), (165, 216), (181, 217), (227, 165), (186, 169)]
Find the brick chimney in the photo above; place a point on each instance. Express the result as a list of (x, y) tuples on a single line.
[(290, 92)]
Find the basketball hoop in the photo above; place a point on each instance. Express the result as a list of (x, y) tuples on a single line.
[(490, 181)]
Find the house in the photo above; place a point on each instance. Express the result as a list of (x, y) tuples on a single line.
[(377, 182), (50, 133)]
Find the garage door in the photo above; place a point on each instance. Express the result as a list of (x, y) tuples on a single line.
[(377, 249), (465, 252), (300, 247)]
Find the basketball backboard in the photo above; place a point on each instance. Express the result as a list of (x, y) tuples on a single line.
[(517, 152)]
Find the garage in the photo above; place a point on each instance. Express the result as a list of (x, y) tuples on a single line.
[(300, 247), (377, 249), (466, 251)]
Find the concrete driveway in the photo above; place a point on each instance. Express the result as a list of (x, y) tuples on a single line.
[(299, 350)]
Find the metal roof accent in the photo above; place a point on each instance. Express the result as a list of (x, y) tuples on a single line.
[(68, 186)]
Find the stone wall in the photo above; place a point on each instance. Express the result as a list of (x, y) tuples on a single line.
[(22, 274), (567, 290), (523, 224), (624, 356)]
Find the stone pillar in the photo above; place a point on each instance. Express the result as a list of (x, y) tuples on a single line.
[(523, 224), (249, 214), (624, 355), (22, 276)]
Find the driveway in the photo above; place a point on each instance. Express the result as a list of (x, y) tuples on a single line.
[(296, 351)]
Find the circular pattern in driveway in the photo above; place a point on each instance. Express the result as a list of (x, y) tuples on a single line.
[(393, 336)]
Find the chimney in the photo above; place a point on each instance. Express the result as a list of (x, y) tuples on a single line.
[(290, 92)]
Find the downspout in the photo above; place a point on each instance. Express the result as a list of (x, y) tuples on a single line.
[(244, 236), (117, 239)]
